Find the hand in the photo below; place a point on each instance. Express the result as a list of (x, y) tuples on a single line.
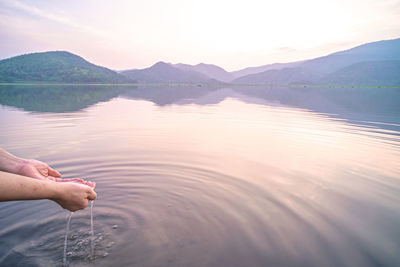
[(40, 170), (34, 169), (37, 169), (74, 196)]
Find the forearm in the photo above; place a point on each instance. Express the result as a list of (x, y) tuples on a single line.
[(9, 162), (69, 195), (17, 187)]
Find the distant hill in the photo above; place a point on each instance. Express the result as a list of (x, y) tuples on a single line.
[(376, 51), (209, 70), (373, 63), (372, 73), (162, 72), (259, 69), (284, 76), (57, 66)]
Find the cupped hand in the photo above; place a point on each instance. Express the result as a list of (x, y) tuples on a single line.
[(37, 169), (74, 196), (40, 170)]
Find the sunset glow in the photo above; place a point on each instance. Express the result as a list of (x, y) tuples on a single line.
[(232, 34)]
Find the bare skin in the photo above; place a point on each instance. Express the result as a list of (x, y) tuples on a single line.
[(16, 183), (33, 168), (69, 195)]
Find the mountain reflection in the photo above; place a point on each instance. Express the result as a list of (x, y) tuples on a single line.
[(354, 104), (57, 98)]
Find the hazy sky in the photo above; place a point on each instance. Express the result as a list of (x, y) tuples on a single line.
[(232, 34)]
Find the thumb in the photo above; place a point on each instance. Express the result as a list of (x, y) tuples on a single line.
[(91, 194)]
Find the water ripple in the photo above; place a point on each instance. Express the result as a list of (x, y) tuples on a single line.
[(232, 184)]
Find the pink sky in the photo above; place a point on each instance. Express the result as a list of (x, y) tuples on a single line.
[(231, 34)]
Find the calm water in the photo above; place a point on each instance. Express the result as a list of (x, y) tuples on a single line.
[(204, 177)]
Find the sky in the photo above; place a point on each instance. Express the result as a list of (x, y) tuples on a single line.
[(231, 34)]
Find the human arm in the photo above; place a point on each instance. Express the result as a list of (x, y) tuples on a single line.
[(26, 167), (69, 195), (33, 168)]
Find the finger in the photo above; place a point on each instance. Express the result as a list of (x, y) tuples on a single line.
[(51, 178), (92, 195), (88, 183), (91, 184), (76, 180), (53, 172), (37, 175)]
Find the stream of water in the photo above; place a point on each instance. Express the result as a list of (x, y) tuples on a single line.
[(65, 263), (91, 231)]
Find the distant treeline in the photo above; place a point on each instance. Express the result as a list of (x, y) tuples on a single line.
[(371, 64)]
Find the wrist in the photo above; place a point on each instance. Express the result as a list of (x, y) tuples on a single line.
[(56, 190), (10, 163)]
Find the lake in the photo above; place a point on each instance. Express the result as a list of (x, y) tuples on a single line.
[(194, 176)]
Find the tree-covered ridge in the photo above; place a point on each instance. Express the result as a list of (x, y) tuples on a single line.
[(371, 64), (56, 66), (162, 72), (372, 73)]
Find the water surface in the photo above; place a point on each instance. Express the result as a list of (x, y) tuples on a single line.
[(202, 177)]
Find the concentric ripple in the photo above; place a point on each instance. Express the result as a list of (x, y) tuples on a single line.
[(232, 184)]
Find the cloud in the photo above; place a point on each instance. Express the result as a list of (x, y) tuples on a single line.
[(53, 17)]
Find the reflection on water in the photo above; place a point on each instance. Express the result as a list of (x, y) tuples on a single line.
[(216, 178), (59, 98)]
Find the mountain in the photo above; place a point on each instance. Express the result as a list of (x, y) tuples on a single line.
[(371, 73), (371, 64), (376, 51), (56, 66), (209, 70), (279, 77), (361, 65), (162, 72), (254, 70)]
